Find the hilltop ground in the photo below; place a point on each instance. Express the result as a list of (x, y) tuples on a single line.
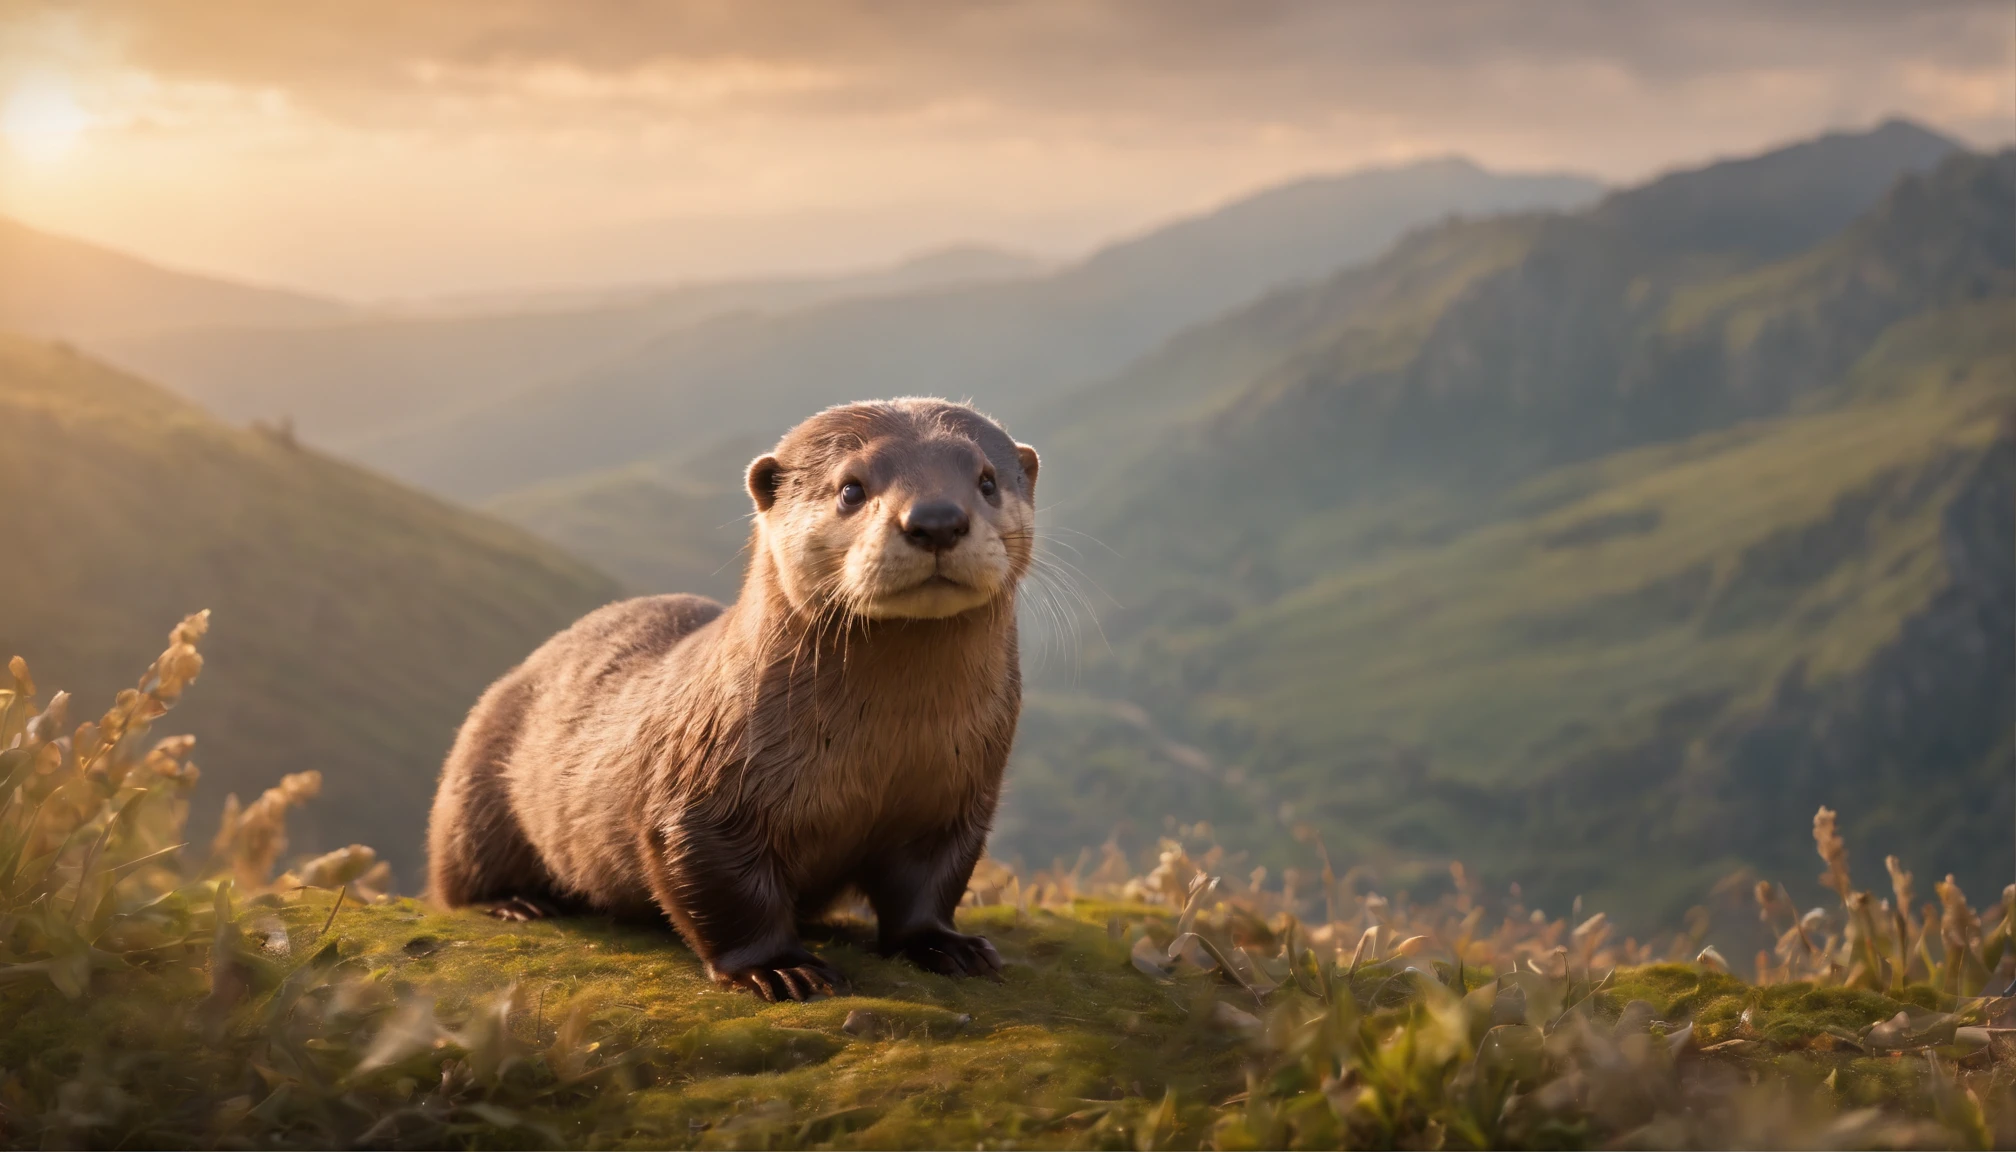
[(152, 996), (396, 1025)]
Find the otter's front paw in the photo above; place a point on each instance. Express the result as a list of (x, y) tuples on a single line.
[(523, 909), (953, 954), (794, 975)]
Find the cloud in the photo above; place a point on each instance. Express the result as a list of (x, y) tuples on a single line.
[(375, 146), (1124, 60)]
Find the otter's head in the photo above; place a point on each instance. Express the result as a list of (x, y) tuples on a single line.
[(897, 509)]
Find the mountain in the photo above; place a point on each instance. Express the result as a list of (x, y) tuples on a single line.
[(1780, 202), (952, 264), (354, 623), (1556, 541), (58, 287), (1011, 345), (1491, 349), (341, 385)]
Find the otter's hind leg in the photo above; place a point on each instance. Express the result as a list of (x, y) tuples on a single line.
[(477, 853)]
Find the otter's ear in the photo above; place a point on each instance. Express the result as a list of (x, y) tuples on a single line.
[(1027, 455), (764, 474)]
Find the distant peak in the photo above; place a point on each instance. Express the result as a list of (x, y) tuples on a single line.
[(968, 259), (1902, 126), (1779, 200)]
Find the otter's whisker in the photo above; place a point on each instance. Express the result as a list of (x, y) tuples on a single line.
[(1087, 535)]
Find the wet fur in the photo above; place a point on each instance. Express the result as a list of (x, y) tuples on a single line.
[(738, 769)]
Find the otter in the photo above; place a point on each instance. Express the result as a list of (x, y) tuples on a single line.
[(842, 727)]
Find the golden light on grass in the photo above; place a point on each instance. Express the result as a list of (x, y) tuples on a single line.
[(1134, 1005), (41, 120)]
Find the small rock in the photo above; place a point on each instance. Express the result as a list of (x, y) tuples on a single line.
[(1150, 959), (1906, 1031), (1233, 1019), (1636, 1017), (1891, 1033)]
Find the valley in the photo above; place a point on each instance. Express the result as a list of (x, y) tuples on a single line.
[(1430, 512)]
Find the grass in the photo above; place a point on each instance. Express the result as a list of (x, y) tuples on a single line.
[(928, 1061), (155, 999), (590, 1035)]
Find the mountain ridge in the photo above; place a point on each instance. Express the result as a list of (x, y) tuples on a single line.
[(1009, 344), (349, 380), (60, 287)]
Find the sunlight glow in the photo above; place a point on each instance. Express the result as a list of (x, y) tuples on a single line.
[(41, 120)]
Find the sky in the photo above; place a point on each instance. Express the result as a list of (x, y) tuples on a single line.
[(379, 149)]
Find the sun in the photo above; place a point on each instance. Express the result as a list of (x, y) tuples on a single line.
[(42, 121)]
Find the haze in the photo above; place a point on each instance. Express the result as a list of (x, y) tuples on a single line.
[(383, 149)]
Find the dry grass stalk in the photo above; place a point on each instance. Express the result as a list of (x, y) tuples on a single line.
[(91, 823)]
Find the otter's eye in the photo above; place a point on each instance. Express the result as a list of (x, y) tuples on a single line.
[(852, 495), (986, 485)]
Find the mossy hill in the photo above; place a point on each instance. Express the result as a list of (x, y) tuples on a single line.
[(394, 1025), (358, 620)]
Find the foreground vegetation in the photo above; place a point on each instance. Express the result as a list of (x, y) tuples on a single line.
[(157, 997)]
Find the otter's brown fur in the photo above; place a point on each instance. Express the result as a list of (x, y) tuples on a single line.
[(842, 726)]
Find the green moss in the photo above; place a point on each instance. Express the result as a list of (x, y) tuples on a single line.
[(1678, 991), (1797, 1013), (1074, 1047), (1877, 1082), (928, 1061), (1795, 1016)]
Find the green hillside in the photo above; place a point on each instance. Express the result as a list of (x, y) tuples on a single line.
[(355, 621), (658, 525), (1590, 585), (1547, 544)]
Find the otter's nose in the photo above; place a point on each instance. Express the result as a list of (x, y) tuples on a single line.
[(936, 526)]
